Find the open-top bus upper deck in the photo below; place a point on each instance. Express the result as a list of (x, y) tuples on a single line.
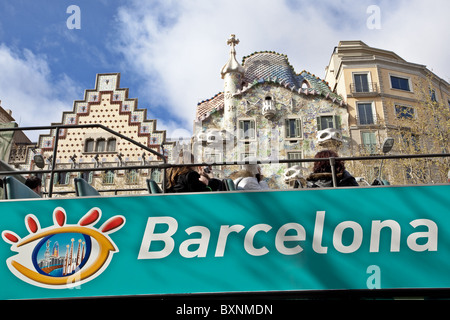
[(299, 243)]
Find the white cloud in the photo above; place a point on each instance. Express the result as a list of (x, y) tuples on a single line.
[(179, 56), (27, 88), (418, 31), (179, 47)]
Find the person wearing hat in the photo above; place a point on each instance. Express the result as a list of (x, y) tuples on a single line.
[(249, 177)]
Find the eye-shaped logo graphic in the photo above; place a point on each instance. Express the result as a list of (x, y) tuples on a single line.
[(63, 255)]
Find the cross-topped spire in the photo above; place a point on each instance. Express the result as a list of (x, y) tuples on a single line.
[(232, 41), (232, 64)]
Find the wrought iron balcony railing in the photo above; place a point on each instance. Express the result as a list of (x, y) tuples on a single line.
[(368, 88)]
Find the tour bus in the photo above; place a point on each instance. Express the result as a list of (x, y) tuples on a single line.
[(366, 242)]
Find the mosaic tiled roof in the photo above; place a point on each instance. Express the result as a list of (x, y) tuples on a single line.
[(274, 68), (206, 107), (264, 65)]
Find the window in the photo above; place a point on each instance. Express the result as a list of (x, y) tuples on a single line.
[(247, 129), (410, 140), (64, 178), (365, 113), (131, 176), (361, 82), (324, 122), (293, 128), (101, 145), (111, 145), (212, 156), (245, 156), (400, 83), (89, 145), (294, 155), (369, 142), (404, 112), (156, 175), (86, 175), (108, 177), (61, 178), (433, 95)]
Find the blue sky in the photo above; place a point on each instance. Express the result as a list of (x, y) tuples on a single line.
[(170, 52)]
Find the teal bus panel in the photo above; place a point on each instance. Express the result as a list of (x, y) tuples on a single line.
[(226, 242)]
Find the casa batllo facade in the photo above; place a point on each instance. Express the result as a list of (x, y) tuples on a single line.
[(269, 112), (95, 148)]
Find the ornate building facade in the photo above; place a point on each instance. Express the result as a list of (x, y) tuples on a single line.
[(95, 148), (269, 112)]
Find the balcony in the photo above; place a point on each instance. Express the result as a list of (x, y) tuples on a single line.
[(364, 89)]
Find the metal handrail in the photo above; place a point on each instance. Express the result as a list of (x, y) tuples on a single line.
[(164, 166), (79, 126), (372, 88), (229, 163)]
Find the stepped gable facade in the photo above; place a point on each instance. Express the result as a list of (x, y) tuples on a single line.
[(95, 148)]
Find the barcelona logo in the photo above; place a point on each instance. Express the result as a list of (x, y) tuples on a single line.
[(63, 255)]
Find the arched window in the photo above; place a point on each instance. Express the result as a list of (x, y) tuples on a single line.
[(89, 145)]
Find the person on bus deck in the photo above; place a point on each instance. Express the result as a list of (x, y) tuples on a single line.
[(35, 184), (249, 177), (322, 177), (187, 178), (206, 176)]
